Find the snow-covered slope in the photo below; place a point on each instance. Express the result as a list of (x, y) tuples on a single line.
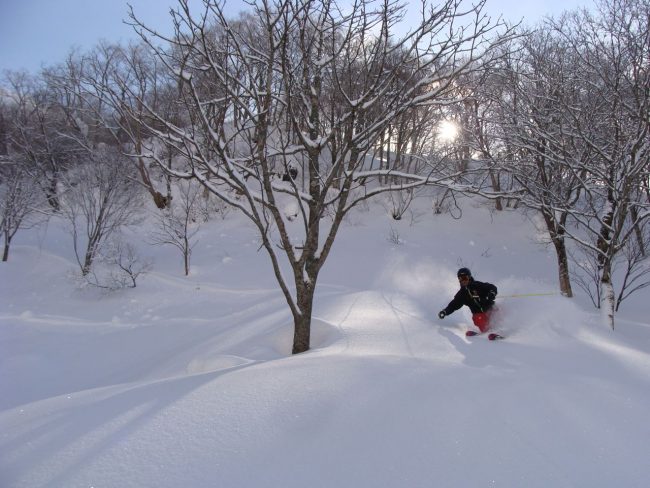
[(189, 381)]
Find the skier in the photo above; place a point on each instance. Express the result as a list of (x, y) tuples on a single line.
[(478, 296)]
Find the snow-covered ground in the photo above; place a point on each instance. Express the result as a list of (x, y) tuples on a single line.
[(190, 382)]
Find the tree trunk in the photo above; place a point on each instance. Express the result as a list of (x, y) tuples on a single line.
[(52, 194), (159, 199), (563, 267), (93, 242), (607, 298), (88, 262), (168, 179), (5, 254), (637, 230), (302, 320), (556, 232), (496, 186), (186, 254)]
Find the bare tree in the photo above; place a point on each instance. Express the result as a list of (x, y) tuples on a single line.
[(537, 85), (141, 74), (104, 81), (631, 265), (39, 133), (636, 268), (575, 113), (179, 223), (314, 86), (20, 201), (101, 197), (612, 49), (118, 266)]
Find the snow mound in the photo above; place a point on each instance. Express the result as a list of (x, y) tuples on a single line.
[(189, 381)]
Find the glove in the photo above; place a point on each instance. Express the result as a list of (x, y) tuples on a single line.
[(491, 296), (441, 314)]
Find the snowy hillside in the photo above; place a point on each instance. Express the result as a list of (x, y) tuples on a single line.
[(190, 382)]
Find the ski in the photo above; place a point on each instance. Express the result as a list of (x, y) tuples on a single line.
[(495, 337), (491, 337)]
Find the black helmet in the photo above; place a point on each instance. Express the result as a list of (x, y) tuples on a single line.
[(464, 272)]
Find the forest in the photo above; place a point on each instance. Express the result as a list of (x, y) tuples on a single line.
[(297, 111)]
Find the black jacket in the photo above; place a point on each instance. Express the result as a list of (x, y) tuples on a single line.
[(478, 296)]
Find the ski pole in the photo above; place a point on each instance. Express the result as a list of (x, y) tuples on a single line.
[(519, 295)]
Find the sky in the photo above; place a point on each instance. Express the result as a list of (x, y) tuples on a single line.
[(41, 32)]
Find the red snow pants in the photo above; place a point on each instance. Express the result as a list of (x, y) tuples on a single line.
[(482, 320)]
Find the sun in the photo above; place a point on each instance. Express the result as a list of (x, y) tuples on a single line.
[(447, 131)]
